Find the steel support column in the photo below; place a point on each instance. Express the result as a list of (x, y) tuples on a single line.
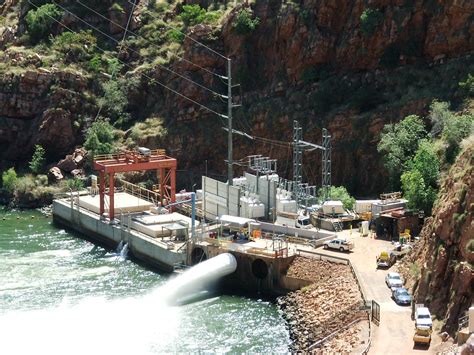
[(101, 192), (111, 197)]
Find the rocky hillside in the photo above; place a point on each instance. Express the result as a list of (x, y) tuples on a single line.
[(440, 269), (349, 66)]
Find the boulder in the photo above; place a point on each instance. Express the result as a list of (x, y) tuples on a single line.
[(67, 164), (77, 173), (54, 174)]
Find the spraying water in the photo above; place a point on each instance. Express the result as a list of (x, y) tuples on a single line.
[(194, 283), (124, 251)]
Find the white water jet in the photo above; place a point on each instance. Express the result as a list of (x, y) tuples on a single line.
[(124, 251), (193, 283)]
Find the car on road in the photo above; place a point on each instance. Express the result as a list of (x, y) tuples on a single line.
[(401, 296), (393, 280), (339, 244), (423, 317)]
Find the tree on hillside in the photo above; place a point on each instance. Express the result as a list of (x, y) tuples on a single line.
[(419, 195), (398, 143), (99, 138), (420, 181), (38, 159), (426, 162), (456, 128)]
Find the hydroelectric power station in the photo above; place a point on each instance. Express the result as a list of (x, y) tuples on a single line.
[(147, 222)]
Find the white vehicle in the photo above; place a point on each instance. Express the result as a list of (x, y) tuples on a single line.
[(393, 280), (423, 317), (339, 244), (294, 220)]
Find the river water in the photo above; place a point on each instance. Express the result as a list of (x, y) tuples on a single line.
[(60, 294)]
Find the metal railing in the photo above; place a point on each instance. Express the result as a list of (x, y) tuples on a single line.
[(140, 192), (123, 155), (463, 322)]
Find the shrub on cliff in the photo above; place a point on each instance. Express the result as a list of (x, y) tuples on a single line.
[(244, 23), (38, 159), (75, 46), (450, 127), (9, 180), (40, 21), (369, 20), (195, 14), (99, 138), (114, 100)]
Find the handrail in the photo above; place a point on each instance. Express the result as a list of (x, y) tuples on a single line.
[(122, 155)]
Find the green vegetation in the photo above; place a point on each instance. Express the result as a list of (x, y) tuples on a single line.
[(74, 184), (9, 180), (416, 158), (370, 19), (114, 100), (244, 23), (340, 193), (195, 14), (152, 129), (40, 21), (419, 195), (75, 47), (38, 159), (398, 143), (100, 138), (467, 86)]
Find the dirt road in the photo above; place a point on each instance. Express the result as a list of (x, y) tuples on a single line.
[(396, 329)]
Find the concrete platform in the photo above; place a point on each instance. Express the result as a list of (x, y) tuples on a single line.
[(123, 202), (173, 224)]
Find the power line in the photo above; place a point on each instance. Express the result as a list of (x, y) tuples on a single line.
[(138, 35), (114, 70), (187, 36), (143, 74), (116, 41)]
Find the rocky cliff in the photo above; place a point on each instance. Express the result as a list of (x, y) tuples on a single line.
[(440, 269), (316, 61)]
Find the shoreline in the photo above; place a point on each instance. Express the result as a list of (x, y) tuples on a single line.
[(329, 304)]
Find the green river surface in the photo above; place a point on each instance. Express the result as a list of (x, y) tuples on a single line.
[(60, 294)]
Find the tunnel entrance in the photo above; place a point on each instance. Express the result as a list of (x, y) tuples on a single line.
[(198, 255), (259, 269)]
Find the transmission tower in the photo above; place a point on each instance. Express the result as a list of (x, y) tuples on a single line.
[(326, 164), (297, 159)]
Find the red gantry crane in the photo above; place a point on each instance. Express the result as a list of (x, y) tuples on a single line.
[(141, 160)]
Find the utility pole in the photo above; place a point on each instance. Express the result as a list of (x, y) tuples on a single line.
[(230, 174)]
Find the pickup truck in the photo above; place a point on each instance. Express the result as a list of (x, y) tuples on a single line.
[(422, 336), (339, 244)]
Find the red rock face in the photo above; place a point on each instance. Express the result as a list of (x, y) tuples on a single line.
[(322, 34), (445, 252)]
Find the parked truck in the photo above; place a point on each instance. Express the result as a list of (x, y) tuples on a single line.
[(293, 220), (422, 336)]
